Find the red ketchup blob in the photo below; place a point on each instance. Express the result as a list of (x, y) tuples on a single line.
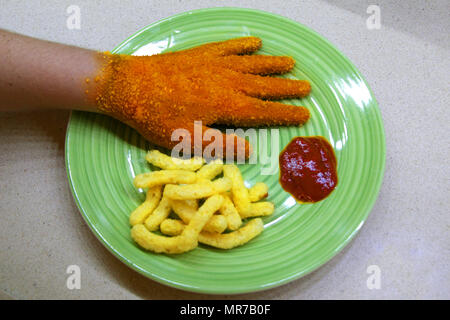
[(308, 168)]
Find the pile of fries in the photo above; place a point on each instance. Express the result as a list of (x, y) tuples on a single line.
[(188, 204)]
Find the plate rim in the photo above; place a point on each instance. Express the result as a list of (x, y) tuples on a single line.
[(377, 187)]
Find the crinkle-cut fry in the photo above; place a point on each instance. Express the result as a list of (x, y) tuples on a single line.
[(186, 209), (152, 199), (187, 240), (259, 191), (229, 211), (239, 191), (202, 189), (158, 215), (166, 162), (233, 239), (172, 227), (210, 170), (259, 209), (160, 177)]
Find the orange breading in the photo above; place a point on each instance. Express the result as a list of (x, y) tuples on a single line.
[(217, 83)]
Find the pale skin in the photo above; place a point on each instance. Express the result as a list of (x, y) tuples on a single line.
[(37, 74)]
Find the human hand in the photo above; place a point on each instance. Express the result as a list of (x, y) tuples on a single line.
[(216, 83)]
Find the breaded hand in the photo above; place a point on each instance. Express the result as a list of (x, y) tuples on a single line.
[(216, 83)]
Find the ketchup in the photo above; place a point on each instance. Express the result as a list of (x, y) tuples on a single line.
[(308, 168)]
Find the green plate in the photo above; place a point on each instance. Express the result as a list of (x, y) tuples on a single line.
[(103, 156)]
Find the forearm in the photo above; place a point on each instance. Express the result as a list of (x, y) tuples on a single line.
[(37, 74)]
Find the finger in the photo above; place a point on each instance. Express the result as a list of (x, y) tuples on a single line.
[(251, 112), (243, 45), (266, 87), (209, 143), (195, 138), (257, 64)]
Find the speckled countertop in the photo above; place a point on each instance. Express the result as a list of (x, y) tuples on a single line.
[(407, 235)]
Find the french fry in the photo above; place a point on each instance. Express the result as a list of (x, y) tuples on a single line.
[(259, 191), (233, 239), (239, 191), (146, 208), (187, 240), (229, 211), (223, 241), (166, 162), (185, 182), (259, 209), (186, 209), (172, 227), (217, 223), (161, 244), (158, 215), (156, 178), (198, 190), (204, 213), (210, 170)]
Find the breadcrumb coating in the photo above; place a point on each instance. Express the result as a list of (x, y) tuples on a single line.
[(216, 83)]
